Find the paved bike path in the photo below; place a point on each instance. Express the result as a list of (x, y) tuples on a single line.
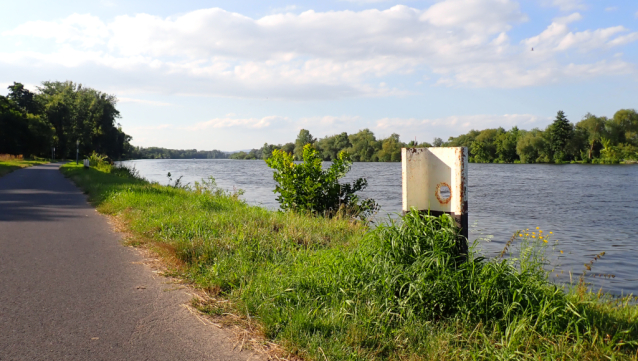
[(70, 291)]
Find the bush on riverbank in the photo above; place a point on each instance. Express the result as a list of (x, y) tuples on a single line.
[(332, 289)]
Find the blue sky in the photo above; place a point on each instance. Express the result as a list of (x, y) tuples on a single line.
[(236, 74)]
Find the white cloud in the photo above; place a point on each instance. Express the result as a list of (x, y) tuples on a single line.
[(320, 55), (567, 5), (558, 37), (284, 9), (142, 101), (365, 1), (455, 125), (231, 122), (152, 127), (611, 8), (85, 29)]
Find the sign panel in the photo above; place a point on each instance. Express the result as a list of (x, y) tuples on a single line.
[(435, 179)]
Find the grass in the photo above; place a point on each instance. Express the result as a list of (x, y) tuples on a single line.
[(10, 163), (332, 289)]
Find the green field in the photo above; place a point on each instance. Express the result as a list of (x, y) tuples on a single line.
[(332, 289), (7, 167)]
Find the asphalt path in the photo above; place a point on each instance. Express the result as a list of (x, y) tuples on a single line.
[(69, 290)]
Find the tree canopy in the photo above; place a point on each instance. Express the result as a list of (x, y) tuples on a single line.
[(59, 114)]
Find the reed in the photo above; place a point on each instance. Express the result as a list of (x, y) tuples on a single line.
[(331, 288)]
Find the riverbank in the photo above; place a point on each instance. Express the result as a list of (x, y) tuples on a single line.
[(330, 289), (8, 166)]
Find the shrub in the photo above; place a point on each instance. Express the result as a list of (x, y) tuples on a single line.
[(307, 187)]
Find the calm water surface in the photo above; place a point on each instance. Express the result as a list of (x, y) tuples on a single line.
[(589, 208)]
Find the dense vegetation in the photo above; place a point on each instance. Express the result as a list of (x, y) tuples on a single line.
[(330, 288), (592, 140), (362, 147), (164, 153), (58, 115), (307, 187)]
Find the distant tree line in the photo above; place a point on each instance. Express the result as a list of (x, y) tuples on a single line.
[(164, 153), (59, 114), (592, 140), (362, 146)]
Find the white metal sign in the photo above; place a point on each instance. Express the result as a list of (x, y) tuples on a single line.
[(435, 179)]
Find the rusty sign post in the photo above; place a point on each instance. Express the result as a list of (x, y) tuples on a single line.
[(435, 179)]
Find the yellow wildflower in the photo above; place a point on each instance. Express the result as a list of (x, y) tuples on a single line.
[(520, 235), (561, 252), (550, 232), (545, 240), (533, 236), (538, 227)]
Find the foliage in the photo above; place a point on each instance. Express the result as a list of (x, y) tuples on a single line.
[(58, 115), (307, 187), (164, 153), (327, 288), (560, 142), (303, 139), (560, 132)]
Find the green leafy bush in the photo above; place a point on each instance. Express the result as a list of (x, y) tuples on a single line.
[(307, 187)]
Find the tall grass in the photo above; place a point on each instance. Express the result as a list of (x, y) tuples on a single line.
[(334, 289)]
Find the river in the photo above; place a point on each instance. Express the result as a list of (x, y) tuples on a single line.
[(589, 208)]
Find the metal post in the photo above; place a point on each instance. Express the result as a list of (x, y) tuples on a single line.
[(435, 181), (77, 152), (53, 154)]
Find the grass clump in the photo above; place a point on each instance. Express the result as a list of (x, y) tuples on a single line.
[(9, 163), (330, 288)]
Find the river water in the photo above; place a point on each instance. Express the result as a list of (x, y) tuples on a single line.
[(589, 208)]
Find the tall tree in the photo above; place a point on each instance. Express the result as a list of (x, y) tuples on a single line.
[(560, 132), (390, 149), (303, 138), (506, 145), (23, 98), (364, 145), (594, 127)]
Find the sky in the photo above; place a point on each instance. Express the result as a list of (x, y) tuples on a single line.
[(234, 75)]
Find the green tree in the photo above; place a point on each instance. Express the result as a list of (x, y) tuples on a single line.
[(627, 120), (463, 140), (506, 145), (330, 146), (594, 128), (532, 147), (288, 148), (390, 149), (303, 138), (364, 145), (483, 148), (560, 132), (307, 187), (23, 98)]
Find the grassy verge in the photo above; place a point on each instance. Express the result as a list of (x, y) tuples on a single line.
[(7, 167), (330, 289)]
